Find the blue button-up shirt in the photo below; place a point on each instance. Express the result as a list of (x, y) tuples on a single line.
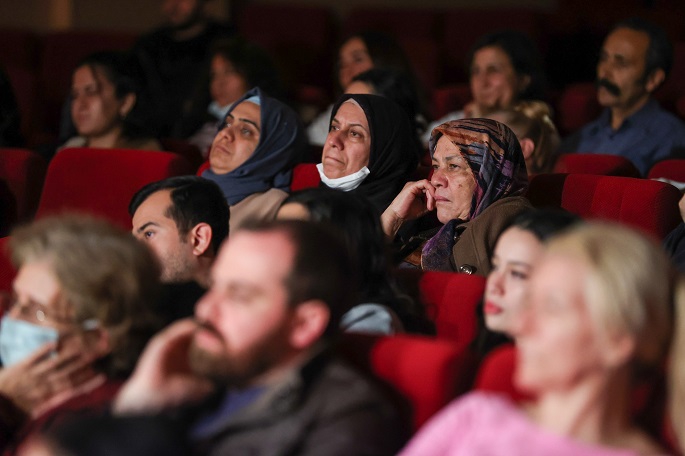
[(648, 136)]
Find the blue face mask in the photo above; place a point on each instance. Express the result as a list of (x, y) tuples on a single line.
[(19, 339)]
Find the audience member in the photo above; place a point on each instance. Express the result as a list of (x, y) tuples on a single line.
[(505, 67), (369, 149), (598, 324), (252, 156), (516, 256), (183, 220), (634, 61), (396, 86), (171, 57), (359, 53), (259, 342), (381, 308), (235, 67), (531, 121), (81, 315), (479, 177), (104, 95)]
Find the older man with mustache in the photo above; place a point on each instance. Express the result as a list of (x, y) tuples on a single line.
[(633, 62)]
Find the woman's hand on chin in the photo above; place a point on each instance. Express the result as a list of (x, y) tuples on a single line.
[(415, 199)]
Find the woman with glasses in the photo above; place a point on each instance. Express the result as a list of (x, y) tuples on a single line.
[(80, 314)]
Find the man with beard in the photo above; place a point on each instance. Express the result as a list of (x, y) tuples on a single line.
[(633, 62), (171, 59), (259, 341), (184, 220)]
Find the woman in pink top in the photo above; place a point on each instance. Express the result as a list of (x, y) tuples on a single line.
[(600, 319)]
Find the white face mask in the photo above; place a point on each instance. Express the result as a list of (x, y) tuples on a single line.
[(345, 183), (217, 110)]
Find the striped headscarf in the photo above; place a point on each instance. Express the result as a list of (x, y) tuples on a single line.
[(493, 154)]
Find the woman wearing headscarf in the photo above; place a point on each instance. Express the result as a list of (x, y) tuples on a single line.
[(369, 149), (479, 177), (253, 154)]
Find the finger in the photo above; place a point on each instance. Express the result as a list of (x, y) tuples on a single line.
[(44, 352)]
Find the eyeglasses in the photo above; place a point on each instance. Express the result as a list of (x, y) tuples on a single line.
[(31, 311)]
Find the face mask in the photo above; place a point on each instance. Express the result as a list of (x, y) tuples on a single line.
[(345, 183), (217, 110), (19, 339)]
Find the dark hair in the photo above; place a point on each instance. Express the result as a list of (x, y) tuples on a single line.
[(322, 268), (194, 200), (524, 57), (117, 68), (660, 50), (358, 222), (252, 63), (397, 86), (544, 223)]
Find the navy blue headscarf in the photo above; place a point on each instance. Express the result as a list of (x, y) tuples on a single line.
[(282, 143)]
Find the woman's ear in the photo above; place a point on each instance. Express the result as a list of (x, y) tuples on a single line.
[(527, 147), (97, 341), (127, 104)]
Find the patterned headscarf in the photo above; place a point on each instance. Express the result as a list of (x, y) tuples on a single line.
[(494, 155)]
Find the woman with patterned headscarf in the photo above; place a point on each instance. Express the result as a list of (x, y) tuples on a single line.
[(479, 177)]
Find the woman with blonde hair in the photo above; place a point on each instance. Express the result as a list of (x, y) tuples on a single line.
[(531, 121), (599, 325)]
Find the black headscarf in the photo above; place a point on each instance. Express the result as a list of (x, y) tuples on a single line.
[(393, 156)]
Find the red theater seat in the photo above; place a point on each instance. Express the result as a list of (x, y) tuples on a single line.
[(496, 373), (183, 148), (428, 373), (601, 164), (577, 106), (450, 98), (7, 271), (102, 181), (672, 169), (305, 175), (22, 173), (451, 299), (647, 205)]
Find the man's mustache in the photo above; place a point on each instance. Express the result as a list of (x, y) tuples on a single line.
[(610, 86), (208, 327)]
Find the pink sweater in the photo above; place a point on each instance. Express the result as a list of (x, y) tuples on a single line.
[(487, 424)]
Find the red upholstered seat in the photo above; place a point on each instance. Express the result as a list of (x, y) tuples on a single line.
[(183, 148), (426, 372), (577, 106), (305, 175), (496, 373), (451, 299), (7, 271), (602, 164), (672, 169), (22, 173), (648, 205), (102, 181), (450, 98)]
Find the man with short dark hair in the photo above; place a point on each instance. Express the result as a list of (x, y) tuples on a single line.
[(260, 341), (183, 220), (634, 61)]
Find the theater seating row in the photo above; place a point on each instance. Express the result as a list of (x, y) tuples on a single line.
[(426, 372)]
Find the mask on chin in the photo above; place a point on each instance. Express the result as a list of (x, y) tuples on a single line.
[(345, 183)]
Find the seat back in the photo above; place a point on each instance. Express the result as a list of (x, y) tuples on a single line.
[(601, 164), (102, 181), (425, 372), (647, 205), (7, 271), (23, 172), (305, 175), (496, 373), (183, 148), (577, 106), (671, 169), (451, 300)]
